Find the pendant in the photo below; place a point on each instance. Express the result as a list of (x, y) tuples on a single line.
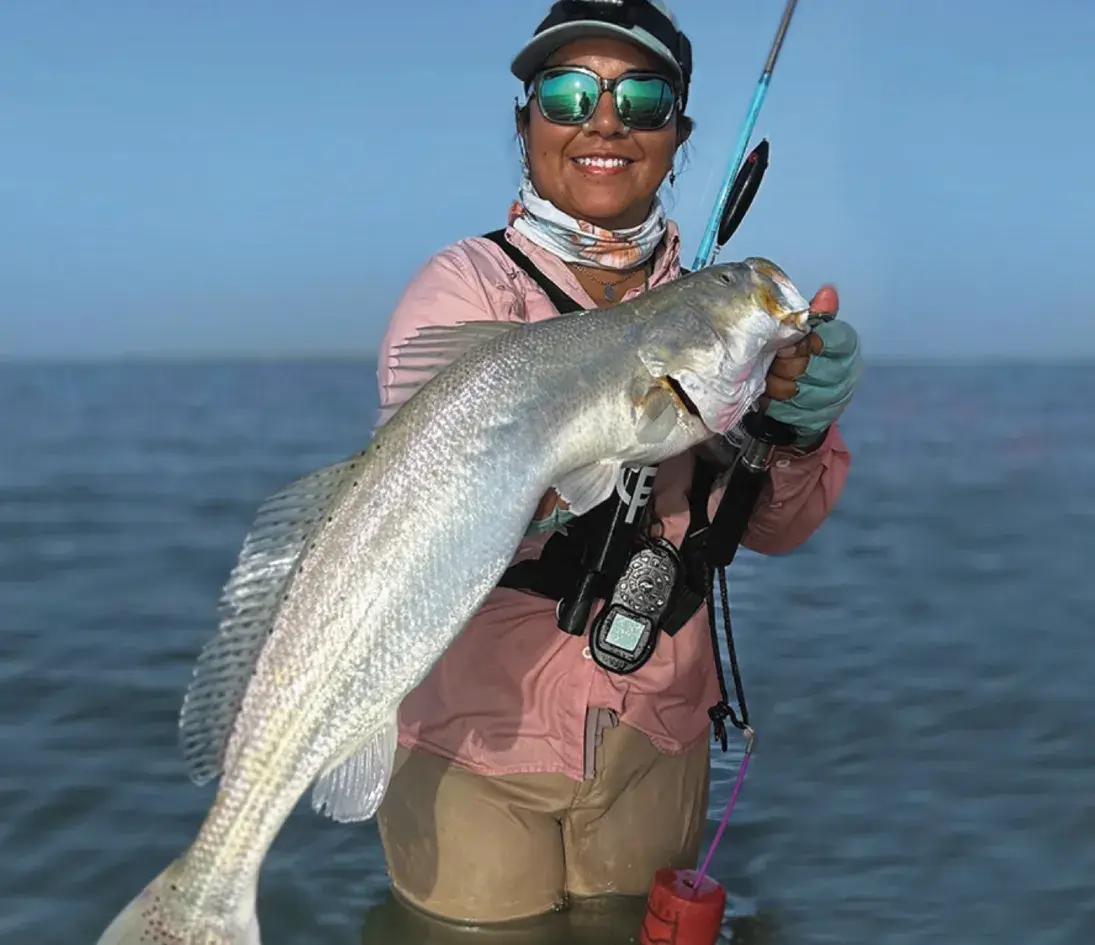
[(610, 293)]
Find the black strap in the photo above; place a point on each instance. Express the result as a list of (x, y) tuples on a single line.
[(701, 574), (564, 558), (562, 302), (560, 565), (561, 561), (722, 710), (697, 569)]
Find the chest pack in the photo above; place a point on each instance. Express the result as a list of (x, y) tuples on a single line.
[(648, 586)]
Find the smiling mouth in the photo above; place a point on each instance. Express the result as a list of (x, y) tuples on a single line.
[(602, 163)]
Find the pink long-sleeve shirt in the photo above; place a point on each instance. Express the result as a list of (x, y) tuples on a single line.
[(513, 693)]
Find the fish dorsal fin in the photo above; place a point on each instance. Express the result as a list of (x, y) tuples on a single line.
[(426, 354), (283, 528)]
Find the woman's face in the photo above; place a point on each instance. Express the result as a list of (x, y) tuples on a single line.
[(612, 197)]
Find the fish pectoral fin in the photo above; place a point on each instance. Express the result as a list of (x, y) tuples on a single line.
[(428, 352), (657, 414), (285, 524), (588, 486), (352, 789)]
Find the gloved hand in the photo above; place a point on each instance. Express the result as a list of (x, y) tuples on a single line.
[(812, 396), (551, 515), (553, 521)]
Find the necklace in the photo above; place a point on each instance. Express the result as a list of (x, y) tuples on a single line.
[(608, 289)]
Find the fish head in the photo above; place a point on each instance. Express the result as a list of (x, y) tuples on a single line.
[(716, 338), (757, 292)]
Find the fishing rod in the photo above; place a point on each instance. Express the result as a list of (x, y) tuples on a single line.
[(740, 185), (725, 215)]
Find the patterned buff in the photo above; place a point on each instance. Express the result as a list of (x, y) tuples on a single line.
[(576, 241)]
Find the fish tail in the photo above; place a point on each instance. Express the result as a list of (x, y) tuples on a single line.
[(156, 917)]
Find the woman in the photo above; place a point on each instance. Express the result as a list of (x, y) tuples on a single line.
[(526, 774)]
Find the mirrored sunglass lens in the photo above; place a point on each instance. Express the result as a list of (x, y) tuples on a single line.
[(644, 103), (568, 96)]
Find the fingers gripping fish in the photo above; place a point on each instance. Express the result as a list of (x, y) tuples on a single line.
[(356, 578)]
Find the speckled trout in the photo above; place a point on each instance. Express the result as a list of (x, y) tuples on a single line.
[(355, 579)]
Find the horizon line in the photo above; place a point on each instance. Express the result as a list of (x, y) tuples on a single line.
[(319, 357)]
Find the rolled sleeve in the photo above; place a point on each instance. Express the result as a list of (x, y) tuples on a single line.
[(799, 494)]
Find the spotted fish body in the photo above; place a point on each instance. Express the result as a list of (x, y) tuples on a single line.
[(355, 579)]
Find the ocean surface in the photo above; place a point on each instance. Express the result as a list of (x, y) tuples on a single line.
[(921, 673)]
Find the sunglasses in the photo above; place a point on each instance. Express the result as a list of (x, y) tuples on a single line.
[(568, 95)]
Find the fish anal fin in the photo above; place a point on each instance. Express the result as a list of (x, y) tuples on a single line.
[(352, 789)]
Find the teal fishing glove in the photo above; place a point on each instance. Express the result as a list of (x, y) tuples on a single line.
[(827, 386)]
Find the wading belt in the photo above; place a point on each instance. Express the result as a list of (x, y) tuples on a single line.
[(564, 558)]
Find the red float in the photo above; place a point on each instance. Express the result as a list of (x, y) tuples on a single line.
[(677, 913)]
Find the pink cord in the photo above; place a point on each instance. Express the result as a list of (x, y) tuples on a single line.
[(750, 737)]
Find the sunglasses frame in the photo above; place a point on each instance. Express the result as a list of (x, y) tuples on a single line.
[(604, 85)]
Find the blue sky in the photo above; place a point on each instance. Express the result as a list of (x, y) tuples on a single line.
[(263, 178)]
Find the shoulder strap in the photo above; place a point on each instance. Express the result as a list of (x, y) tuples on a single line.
[(697, 569), (562, 302)]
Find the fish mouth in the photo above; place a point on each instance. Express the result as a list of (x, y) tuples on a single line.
[(814, 319), (805, 319), (776, 294)]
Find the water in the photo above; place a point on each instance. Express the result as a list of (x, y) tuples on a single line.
[(920, 672)]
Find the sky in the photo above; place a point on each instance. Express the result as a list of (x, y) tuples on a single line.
[(263, 178)]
